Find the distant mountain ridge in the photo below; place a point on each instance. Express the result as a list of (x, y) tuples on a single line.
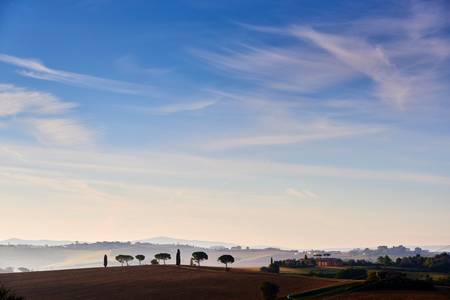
[(16, 241), (160, 240), (163, 240)]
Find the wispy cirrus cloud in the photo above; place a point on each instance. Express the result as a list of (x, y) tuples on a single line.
[(404, 59), (282, 121), (36, 69), (15, 100), (173, 108), (198, 169), (394, 84), (292, 69), (42, 115), (315, 131), (301, 193), (58, 131), (130, 64)]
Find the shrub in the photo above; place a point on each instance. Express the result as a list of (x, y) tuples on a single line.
[(154, 262), (7, 294), (325, 273), (272, 268), (269, 290), (391, 280)]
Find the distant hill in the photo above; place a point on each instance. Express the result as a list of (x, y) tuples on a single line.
[(15, 241), (163, 240), (160, 240), (436, 248)]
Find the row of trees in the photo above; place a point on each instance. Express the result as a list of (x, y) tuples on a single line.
[(197, 256), (439, 262)]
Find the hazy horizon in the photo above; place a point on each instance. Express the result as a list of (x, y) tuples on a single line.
[(297, 124), (165, 240)]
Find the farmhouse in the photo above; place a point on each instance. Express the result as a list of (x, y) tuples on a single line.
[(329, 262)]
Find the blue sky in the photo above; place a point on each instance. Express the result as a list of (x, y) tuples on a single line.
[(293, 123)]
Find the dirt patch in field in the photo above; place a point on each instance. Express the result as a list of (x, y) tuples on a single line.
[(153, 282)]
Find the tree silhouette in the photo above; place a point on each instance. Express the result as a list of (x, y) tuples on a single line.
[(128, 258), (163, 257), (140, 258), (226, 259), (124, 259), (384, 260), (105, 261), (178, 257), (120, 258), (199, 256), (154, 262), (269, 290)]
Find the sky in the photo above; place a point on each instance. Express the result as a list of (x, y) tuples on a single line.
[(300, 124)]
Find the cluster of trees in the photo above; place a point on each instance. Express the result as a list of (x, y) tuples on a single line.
[(197, 257), (438, 263), (306, 261), (358, 263), (352, 273), (273, 267), (121, 258), (386, 280)]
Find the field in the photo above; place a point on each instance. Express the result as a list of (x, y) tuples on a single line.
[(154, 282), (439, 294)]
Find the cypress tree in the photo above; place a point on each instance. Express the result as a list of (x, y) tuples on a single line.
[(105, 260), (178, 258)]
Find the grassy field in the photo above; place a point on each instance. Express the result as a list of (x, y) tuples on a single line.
[(333, 271), (154, 282)]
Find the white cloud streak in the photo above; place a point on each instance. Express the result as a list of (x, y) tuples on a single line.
[(405, 59), (173, 108), (148, 166), (281, 69), (60, 131), (302, 194), (35, 69), (42, 115), (15, 100), (315, 132)]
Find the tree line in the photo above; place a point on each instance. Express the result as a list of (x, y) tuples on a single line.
[(438, 263), (196, 257)]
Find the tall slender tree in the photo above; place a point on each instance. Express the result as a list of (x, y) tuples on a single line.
[(178, 257), (105, 261)]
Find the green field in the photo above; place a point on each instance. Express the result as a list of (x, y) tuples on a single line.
[(331, 272)]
